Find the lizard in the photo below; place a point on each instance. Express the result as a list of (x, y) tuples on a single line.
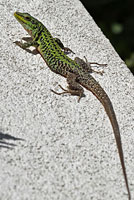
[(76, 72)]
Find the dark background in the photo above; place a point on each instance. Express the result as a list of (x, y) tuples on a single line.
[(116, 20)]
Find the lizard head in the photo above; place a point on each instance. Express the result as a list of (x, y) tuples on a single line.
[(29, 23)]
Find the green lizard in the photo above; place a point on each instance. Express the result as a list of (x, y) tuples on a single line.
[(76, 71)]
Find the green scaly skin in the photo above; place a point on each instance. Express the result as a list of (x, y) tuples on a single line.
[(60, 63)]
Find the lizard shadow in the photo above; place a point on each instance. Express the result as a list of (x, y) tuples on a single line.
[(5, 144)]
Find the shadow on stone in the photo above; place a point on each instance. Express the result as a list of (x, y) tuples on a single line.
[(5, 144)]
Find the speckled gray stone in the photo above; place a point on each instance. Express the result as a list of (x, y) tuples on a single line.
[(51, 147)]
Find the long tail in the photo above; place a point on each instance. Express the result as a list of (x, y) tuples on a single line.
[(111, 114), (92, 85)]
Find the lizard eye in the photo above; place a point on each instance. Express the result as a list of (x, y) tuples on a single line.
[(27, 18)]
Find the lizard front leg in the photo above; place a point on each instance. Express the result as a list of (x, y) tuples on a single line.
[(74, 88), (26, 44), (65, 49)]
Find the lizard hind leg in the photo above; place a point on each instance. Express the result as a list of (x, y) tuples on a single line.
[(87, 65), (73, 87)]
